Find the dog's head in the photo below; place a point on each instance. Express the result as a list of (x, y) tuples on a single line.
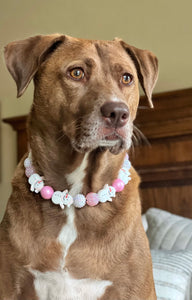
[(89, 88)]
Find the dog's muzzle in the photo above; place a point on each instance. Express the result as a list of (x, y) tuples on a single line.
[(107, 127)]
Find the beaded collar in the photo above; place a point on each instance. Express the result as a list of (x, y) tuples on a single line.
[(64, 198)]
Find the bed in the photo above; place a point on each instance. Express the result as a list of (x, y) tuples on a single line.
[(162, 156)]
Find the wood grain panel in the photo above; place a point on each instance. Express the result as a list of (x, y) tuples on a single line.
[(19, 125), (177, 199), (171, 116)]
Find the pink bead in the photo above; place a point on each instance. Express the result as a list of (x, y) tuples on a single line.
[(92, 199), (118, 184), (29, 171), (47, 192)]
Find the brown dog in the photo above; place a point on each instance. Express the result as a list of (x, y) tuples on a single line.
[(80, 127)]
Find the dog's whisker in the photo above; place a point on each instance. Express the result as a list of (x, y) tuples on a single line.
[(135, 139), (143, 107), (60, 138), (140, 136), (132, 149)]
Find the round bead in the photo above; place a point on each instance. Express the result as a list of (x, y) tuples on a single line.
[(92, 199), (118, 184), (29, 171), (27, 162), (79, 201), (127, 156), (126, 164), (47, 192)]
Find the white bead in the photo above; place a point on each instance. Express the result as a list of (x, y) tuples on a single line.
[(79, 201), (27, 162), (127, 164)]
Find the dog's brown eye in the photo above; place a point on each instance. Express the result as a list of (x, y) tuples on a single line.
[(77, 74), (127, 79)]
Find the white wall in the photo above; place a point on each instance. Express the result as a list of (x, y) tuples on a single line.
[(165, 27)]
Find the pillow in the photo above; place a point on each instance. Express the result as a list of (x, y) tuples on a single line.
[(144, 222), (172, 271), (168, 231)]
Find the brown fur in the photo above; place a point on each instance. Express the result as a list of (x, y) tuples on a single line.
[(111, 243)]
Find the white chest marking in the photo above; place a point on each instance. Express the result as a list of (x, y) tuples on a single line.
[(76, 177), (59, 285), (68, 233)]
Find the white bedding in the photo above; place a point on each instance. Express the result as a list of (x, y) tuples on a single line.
[(170, 239)]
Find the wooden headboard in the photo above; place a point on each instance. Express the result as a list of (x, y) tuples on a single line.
[(165, 163)]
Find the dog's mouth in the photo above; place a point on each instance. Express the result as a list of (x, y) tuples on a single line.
[(112, 137), (113, 141), (94, 134), (114, 146)]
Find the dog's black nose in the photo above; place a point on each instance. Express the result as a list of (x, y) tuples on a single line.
[(116, 114)]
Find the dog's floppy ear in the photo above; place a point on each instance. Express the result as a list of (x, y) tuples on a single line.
[(24, 57), (146, 65)]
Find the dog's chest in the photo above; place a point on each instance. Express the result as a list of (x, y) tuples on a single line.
[(60, 285)]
